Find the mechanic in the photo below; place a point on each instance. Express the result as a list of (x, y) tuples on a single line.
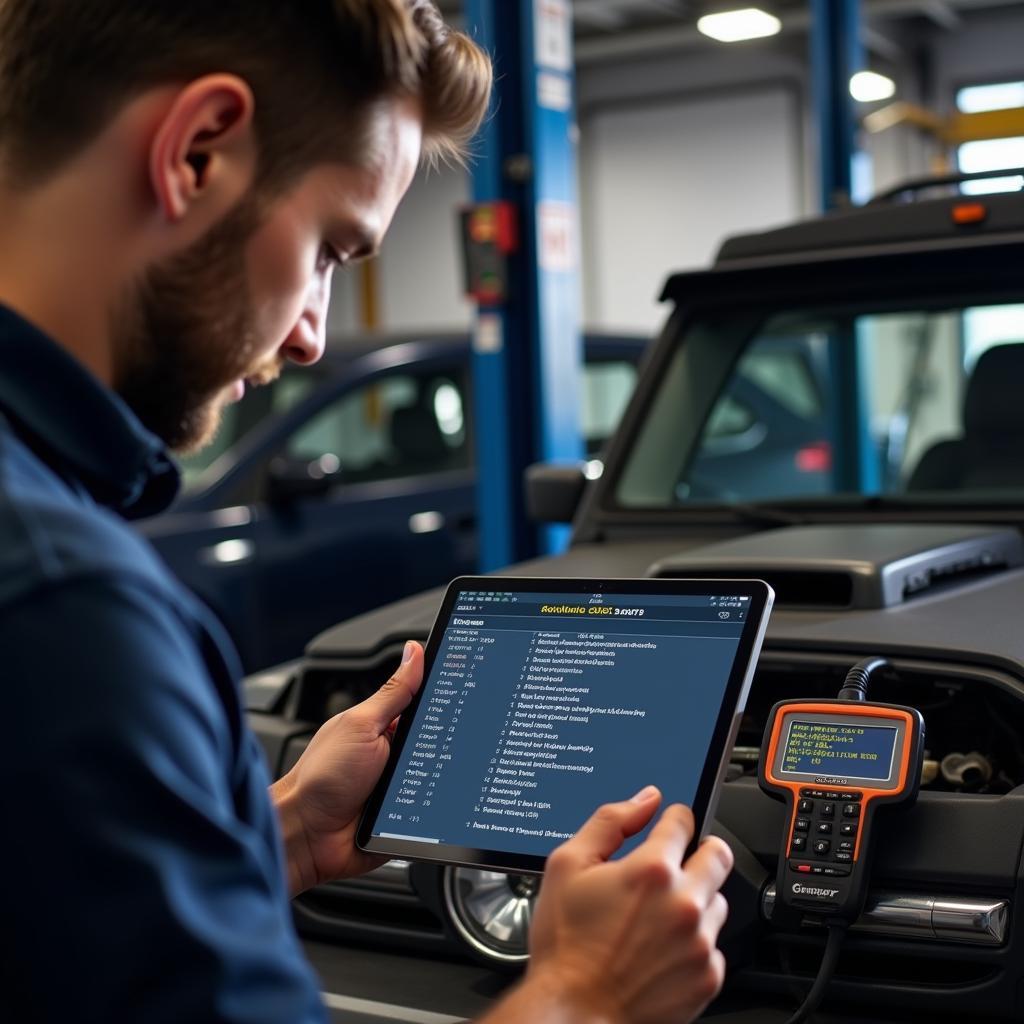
[(178, 179)]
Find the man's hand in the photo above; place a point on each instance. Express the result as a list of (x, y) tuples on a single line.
[(319, 801), (629, 941)]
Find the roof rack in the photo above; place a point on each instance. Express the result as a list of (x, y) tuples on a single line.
[(907, 188)]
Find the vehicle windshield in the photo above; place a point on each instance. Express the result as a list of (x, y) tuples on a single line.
[(818, 404)]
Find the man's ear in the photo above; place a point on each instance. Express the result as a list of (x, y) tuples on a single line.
[(202, 157)]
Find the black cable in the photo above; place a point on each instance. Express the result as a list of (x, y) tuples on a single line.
[(836, 934), (855, 686)]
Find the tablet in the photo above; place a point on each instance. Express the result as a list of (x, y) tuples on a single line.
[(544, 698)]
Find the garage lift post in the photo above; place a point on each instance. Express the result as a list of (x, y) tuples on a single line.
[(836, 55), (527, 352)]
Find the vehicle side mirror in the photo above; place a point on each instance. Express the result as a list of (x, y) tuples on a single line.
[(291, 479), (553, 492)]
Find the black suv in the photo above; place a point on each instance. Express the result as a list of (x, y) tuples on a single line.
[(891, 529)]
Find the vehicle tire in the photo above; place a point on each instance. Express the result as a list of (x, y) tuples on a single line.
[(489, 913)]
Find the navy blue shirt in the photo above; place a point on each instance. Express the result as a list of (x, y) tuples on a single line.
[(143, 875)]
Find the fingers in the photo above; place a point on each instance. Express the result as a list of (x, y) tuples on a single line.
[(606, 829), (708, 868), (669, 838), (394, 696)]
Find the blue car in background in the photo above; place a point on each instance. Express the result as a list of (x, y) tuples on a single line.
[(347, 485)]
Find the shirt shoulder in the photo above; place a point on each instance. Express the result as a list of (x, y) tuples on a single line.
[(51, 531), (138, 806)]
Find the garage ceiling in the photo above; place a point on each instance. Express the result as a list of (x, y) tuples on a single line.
[(606, 29)]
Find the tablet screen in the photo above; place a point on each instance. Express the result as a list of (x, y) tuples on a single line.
[(540, 705)]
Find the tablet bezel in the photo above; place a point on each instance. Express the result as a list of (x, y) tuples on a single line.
[(726, 725)]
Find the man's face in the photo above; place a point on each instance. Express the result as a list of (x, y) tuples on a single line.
[(253, 293)]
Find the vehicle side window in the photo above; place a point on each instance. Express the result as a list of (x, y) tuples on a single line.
[(607, 387), (396, 426)]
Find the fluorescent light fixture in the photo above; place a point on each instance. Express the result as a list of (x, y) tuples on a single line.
[(975, 99), (870, 87), (736, 26), (991, 154)]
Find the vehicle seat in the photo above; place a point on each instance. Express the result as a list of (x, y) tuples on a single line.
[(416, 439), (990, 454)]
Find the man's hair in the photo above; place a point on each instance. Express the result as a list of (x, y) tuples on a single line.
[(316, 67)]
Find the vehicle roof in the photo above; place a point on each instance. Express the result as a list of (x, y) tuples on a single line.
[(343, 349), (874, 231)]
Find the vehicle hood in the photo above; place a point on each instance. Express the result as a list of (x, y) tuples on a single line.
[(972, 621)]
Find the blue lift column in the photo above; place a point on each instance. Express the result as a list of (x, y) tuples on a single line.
[(836, 55), (527, 361)]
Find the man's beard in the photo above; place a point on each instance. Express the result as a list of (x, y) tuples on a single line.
[(188, 332)]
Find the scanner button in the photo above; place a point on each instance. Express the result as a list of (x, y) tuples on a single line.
[(845, 845), (817, 869), (848, 828), (804, 869), (851, 796), (828, 810), (851, 810), (822, 846), (831, 794), (824, 828), (837, 870), (802, 825), (844, 858), (799, 844), (805, 806)]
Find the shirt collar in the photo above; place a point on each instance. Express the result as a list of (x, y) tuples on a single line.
[(60, 408)]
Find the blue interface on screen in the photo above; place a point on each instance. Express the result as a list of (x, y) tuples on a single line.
[(540, 707), (828, 748)]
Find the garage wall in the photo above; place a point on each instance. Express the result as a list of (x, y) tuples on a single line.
[(664, 182)]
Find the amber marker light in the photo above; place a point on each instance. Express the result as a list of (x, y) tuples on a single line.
[(969, 213)]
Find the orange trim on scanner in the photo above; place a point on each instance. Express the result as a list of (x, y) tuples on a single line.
[(868, 711)]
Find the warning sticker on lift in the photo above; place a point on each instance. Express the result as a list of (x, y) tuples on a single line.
[(553, 34)]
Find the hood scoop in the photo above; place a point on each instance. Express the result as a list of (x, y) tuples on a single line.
[(852, 567)]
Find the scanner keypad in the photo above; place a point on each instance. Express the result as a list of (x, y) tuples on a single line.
[(831, 819)]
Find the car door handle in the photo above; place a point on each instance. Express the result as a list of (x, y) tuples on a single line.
[(426, 522), (228, 552)]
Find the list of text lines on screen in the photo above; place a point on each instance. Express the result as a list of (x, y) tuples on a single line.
[(541, 707)]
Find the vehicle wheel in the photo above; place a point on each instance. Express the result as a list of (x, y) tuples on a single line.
[(490, 912)]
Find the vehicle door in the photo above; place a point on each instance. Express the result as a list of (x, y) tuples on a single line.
[(370, 499)]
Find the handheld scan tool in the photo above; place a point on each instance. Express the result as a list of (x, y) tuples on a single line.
[(835, 763)]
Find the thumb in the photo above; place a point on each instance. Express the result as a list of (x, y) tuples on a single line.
[(394, 696)]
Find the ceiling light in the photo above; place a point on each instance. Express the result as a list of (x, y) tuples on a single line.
[(870, 87), (735, 26)]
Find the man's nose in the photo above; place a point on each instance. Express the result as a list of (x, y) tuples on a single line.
[(308, 338)]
